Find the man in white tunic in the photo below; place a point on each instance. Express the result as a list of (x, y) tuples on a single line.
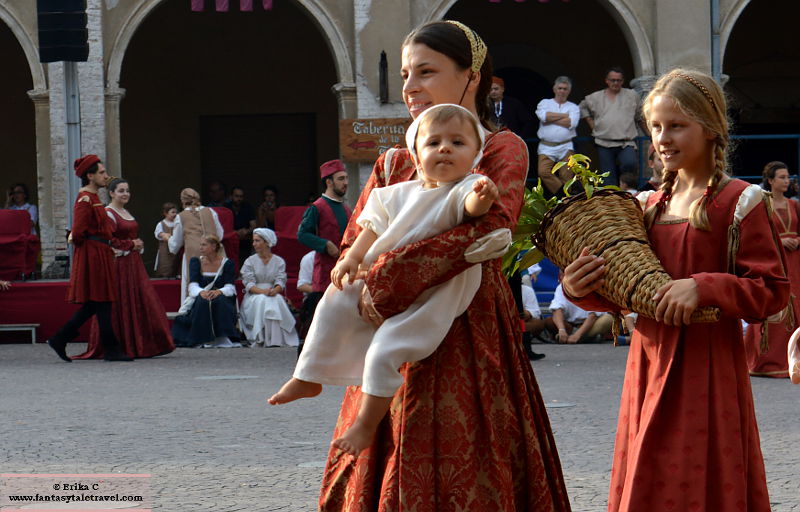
[(558, 120)]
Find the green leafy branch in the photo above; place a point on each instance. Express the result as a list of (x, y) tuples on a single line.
[(523, 251)]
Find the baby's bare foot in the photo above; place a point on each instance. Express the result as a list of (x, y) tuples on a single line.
[(294, 389), (355, 440)]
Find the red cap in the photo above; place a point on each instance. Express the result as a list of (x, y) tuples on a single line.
[(83, 163), (330, 167), (499, 81)]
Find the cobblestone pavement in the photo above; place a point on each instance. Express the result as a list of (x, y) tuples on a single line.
[(197, 421)]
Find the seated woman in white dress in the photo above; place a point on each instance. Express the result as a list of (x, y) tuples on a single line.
[(265, 317)]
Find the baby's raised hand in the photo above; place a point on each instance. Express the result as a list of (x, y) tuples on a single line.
[(344, 267), (485, 189)]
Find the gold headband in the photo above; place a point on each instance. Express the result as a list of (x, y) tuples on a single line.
[(476, 45), (700, 86)]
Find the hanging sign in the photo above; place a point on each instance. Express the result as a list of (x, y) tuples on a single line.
[(363, 140)]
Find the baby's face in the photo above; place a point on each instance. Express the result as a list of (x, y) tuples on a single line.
[(446, 150)]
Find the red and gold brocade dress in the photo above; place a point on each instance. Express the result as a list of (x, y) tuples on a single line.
[(138, 316), (468, 429), (687, 438), (775, 361)]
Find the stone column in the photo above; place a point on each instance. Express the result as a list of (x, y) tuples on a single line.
[(52, 243), (347, 100), (113, 96), (58, 176)]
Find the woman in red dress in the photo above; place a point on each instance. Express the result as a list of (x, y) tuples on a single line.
[(468, 429), (687, 437), (772, 360), (138, 317)]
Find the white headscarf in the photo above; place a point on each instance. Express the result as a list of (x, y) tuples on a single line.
[(411, 133), (267, 235)]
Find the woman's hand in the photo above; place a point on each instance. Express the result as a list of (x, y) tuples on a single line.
[(584, 275), (273, 291), (210, 294), (790, 244), (562, 336), (676, 301), (367, 309)]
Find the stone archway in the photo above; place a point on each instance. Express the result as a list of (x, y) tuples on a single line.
[(629, 24), (727, 24), (28, 45), (224, 97), (762, 61), (315, 9), (318, 13), (25, 140)]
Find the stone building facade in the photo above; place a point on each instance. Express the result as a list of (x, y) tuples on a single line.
[(160, 79)]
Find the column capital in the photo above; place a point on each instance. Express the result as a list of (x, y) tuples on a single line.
[(114, 93), (39, 96), (346, 96), (644, 84)]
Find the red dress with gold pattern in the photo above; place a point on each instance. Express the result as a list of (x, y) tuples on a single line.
[(775, 361), (687, 438), (468, 429), (92, 276)]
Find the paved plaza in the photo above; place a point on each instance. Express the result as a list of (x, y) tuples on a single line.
[(196, 420)]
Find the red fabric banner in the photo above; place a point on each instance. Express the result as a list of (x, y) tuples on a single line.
[(224, 5)]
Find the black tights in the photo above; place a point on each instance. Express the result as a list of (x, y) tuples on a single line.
[(102, 310)]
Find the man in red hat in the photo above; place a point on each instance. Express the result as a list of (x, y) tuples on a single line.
[(509, 112), (322, 228), (92, 280)]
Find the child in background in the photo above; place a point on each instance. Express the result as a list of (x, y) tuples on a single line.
[(446, 141), (629, 182), (165, 265)]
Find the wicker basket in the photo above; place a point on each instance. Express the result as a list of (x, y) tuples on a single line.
[(611, 225)]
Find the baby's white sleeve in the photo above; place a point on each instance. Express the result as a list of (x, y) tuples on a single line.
[(374, 215)]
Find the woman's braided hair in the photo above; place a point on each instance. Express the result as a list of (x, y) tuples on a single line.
[(699, 97)]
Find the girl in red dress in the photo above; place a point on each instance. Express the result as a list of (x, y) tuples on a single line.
[(138, 317), (687, 437), (468, 429), (772, 359)]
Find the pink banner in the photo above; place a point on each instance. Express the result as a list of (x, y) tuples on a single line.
[(267, 5), (245, 5), (222, 5), (197, 5)]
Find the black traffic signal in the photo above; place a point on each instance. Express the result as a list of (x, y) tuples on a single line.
[(62, 31)]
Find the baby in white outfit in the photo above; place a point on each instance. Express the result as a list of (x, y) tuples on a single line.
[(446, 142)]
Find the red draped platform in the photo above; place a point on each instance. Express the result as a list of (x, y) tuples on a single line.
[(42, 302)]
